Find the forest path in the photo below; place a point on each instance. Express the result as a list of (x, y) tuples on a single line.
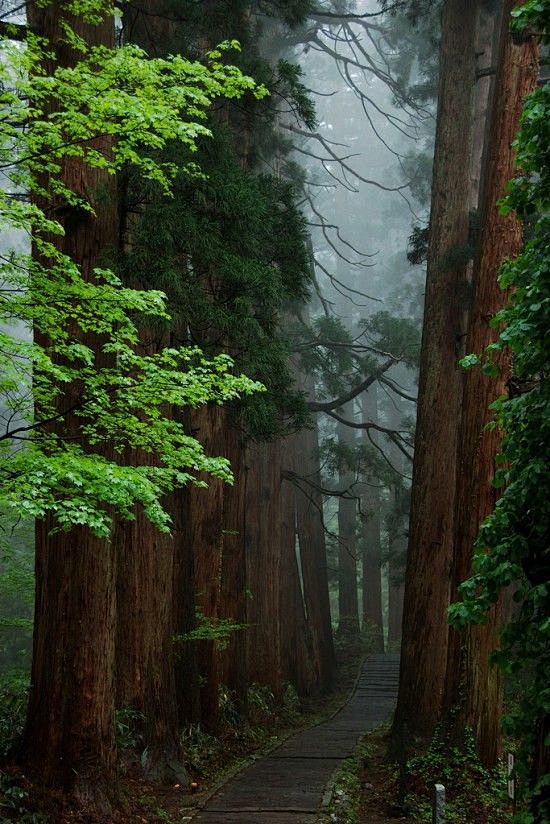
[(287, 786)]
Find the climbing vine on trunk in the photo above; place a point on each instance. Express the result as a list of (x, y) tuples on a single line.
[(512, 547)]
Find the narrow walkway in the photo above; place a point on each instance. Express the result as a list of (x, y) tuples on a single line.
[(287, 786)]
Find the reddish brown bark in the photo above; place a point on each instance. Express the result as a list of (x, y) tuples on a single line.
[(206, 507), (185, 651), (311, 537), (397, 540), (233, 596), (474, 685), (300, 666), (149, 660), (69, 736), (263, 564), (144, 648), (424, 647)]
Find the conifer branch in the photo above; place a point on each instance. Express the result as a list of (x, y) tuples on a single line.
[(328, 406)]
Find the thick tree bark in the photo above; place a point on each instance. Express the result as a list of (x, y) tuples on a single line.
[(372, 549), (69, 735), (311, 542), (311, 537), (149, 660), (487, 40), (300, 666), (348, 604), (145, 679), (263, 564), (206, 507), (184, 611), (233, 597), (424, 647), (472, 684), (397, 539)]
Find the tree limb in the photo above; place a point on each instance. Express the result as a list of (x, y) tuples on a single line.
[(328, 406)]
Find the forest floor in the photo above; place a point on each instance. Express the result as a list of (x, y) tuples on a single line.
[(364, 789), (474, 795), (213, 760)]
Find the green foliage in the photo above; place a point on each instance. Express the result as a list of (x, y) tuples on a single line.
[(473, 793), (456, 257), (360, 458), (14, 800), (344, 805), (330, 359), (210, 629), (399, 337), (265, 709), (417, 250), (14, 693), (512, 547), (239, 735), (16, 594), (230, 249), (532, 16), (416, 168), (128, 726), (414, 60), (291, 86), (230, 252), (55, 114), (291, 12)]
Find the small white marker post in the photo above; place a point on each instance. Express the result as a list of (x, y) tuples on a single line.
[(511, 780), (438, 814)]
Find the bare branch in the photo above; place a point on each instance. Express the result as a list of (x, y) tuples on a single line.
[(320, 14), (394, 435), (341, 161), (397, 389)]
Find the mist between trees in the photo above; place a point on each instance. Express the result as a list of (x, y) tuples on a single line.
[(216, 224)]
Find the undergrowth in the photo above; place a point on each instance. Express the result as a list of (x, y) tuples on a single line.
[(345, 799), (14, 693), (473, 793), (208, 755), (368, 785)]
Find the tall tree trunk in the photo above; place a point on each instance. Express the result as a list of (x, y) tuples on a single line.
[(397, 541), (372, 549), (147, 658), (472, 684), (69, 735), (397, 530), (348, 605), (424, 647), (297, 652), (145, 679), (186, 671), (233, 594), (311, 538), (311, 542), (206, 505), (263, 563), (487, 39)]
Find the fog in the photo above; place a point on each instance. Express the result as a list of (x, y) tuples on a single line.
[(367, 182)]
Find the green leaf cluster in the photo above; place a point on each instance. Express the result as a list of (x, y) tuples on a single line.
[(68, 341)]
